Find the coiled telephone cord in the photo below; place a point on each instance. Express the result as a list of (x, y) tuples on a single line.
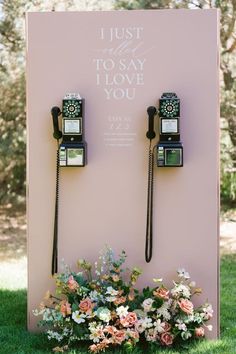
[(149, 224), (55, 233)]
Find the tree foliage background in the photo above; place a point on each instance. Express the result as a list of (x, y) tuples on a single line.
[(12, 89)]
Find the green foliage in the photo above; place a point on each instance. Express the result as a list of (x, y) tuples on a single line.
[(12, 101), (228, 171)]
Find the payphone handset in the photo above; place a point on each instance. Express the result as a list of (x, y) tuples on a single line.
[(72, 148), (169, 151)]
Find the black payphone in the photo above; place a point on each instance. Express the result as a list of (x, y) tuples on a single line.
[(169, 151), (72, 149)]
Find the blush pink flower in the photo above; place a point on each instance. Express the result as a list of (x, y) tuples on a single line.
[(120, 300), (65, 308), (118, 336), (86, 305), (110, 330), (72, 283), (129, 320), (199, 332), (161, 293), (186, 306), (93, 348), (167, 338), (166, 327)]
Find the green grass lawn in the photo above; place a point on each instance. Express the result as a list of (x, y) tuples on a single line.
[(14, 338)]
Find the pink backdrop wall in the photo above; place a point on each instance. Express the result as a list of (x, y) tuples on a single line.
[(105, 202)]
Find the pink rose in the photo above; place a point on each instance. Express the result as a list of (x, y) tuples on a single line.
[(65, 308), (166, 326), (199, 332), (186, 306), (86, 305), (167, 338), (129, 320), (119, 336), (72, 283), (162, 293)]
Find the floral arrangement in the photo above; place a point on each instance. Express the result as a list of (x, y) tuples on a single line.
[(101, 305)]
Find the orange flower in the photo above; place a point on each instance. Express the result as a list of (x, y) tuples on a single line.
[(131, 294), (117, 270), (162, 293), (199, 332), (120, 300), (72, 283), (65, 308)]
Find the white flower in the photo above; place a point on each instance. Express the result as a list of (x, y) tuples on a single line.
[(147, 305), (96, 332), (103, 314), (37, 312), (112, 291), (140, 313), (207, 312), (159, 326), (182, 273), (93, 295), (192, 318), (78, 317), (181, 326), (54, 335), (164, 310), (151, 335), (164, 313), (181, 289), (209, 327), (50, 314), (110, 298), (143, 324), (122, 311), (147, 322)]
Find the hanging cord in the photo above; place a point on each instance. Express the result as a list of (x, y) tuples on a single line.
[(148, 245), (55, 233)]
